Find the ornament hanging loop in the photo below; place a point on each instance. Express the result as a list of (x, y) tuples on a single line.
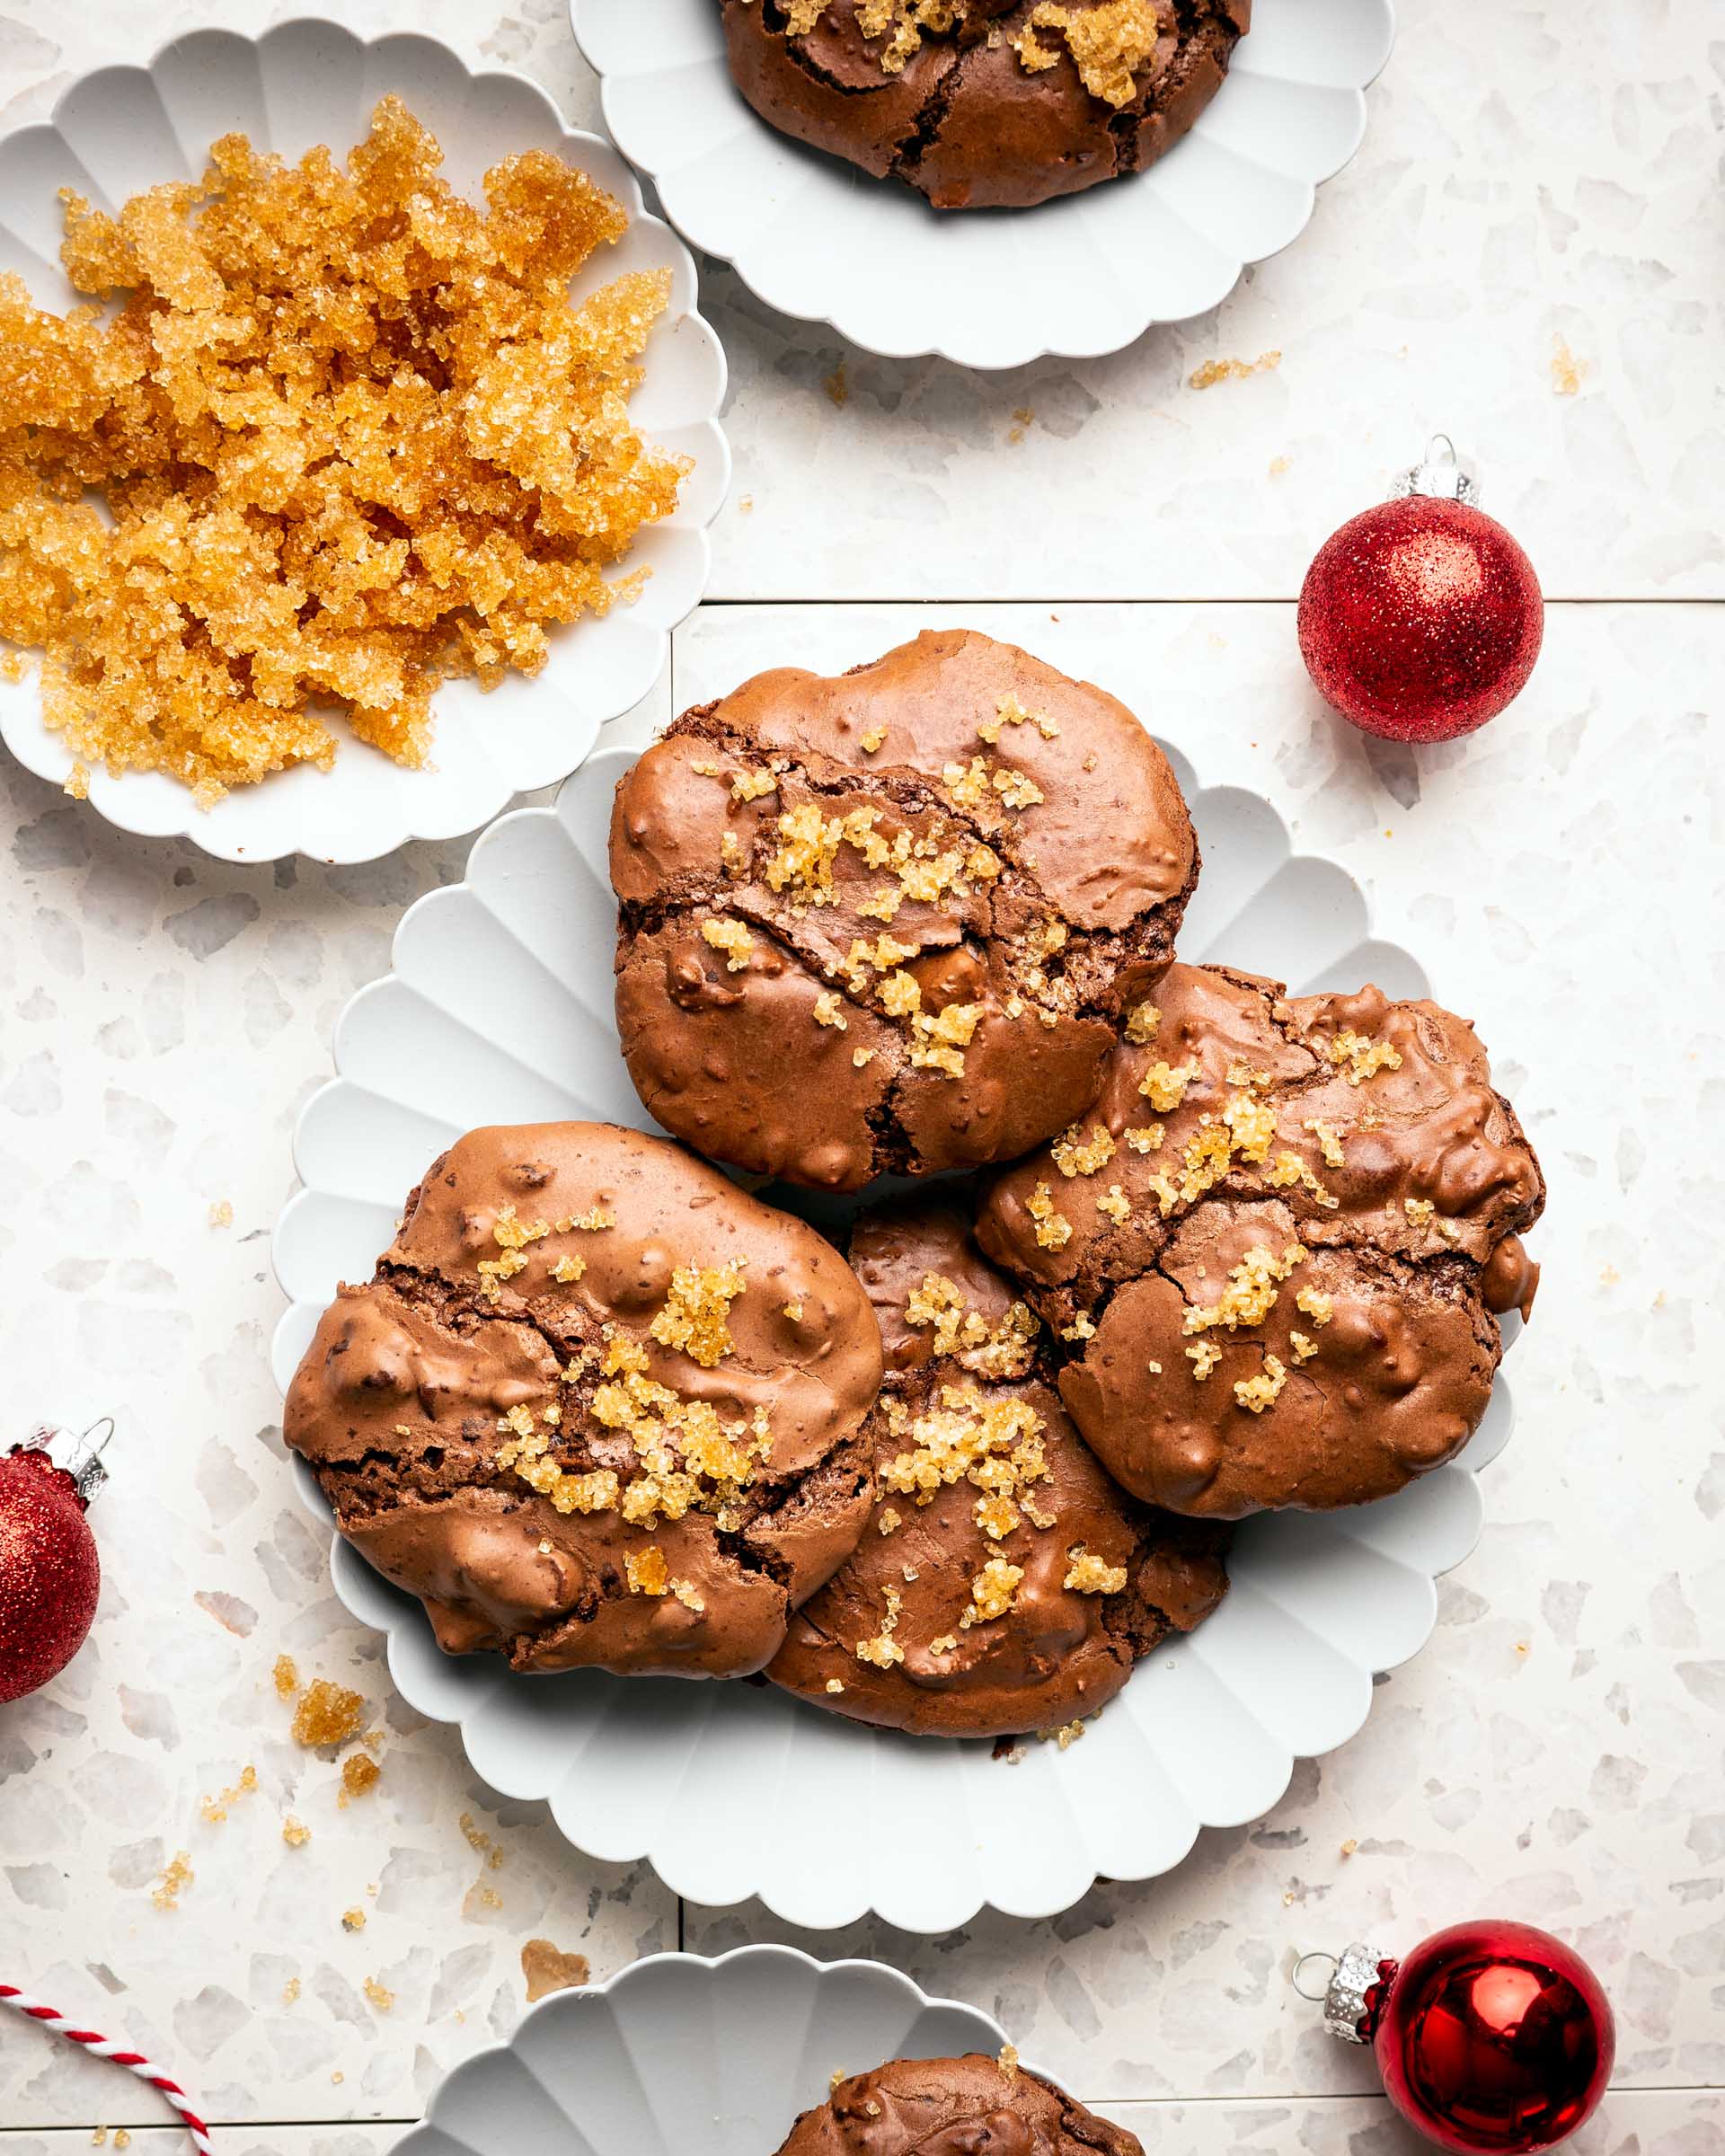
[(1315, 1969), (1439, 473), (83, 1463)]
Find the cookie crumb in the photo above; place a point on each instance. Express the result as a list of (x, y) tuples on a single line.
[(360, 1773), (173, 1881), (544, 1969), (216, 1808), (1233, 370), (1567, 370), (328, 1714)]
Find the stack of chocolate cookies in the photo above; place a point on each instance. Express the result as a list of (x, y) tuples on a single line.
[(1186, 1248)]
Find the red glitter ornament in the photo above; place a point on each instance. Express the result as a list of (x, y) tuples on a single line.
[(1491, 2036), (1421, 619), (51, 1576)]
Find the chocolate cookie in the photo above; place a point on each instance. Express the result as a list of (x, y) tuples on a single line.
[(985, 103), (1275, 1245), (1004, 1584), (891, 920), (975, 2106), (597, 1406)]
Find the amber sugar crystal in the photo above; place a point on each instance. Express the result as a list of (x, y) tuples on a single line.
[(352, 436)]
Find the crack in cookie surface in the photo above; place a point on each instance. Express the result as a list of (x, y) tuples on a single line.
[(891, 920), (1273, 1249)]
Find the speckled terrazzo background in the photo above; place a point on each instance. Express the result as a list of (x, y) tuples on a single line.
[(1529, 251)]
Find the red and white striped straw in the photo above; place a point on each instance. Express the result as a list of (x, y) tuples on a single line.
[(50, 2018)]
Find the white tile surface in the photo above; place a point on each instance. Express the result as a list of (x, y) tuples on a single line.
[(1531, 177)]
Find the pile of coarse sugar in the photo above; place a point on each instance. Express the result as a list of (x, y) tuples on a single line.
[(353, 438)]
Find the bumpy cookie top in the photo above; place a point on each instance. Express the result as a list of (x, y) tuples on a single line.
[(984, 103), (1003, 1583), (1274, 1245), (889, 920), (597, 1405), (973, 2105)]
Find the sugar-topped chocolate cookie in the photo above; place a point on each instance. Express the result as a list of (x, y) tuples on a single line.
[(985, 103), (1004, 1583), (1274, 1246), (597, 1406), (973, 2105), (891, 920)]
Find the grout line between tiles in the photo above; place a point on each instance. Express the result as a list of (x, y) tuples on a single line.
[(155, 2124), (1034, 598)]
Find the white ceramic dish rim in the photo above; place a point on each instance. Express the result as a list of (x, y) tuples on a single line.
[(718, 1967), (859, 332), (1455, 1537), (53, 762)]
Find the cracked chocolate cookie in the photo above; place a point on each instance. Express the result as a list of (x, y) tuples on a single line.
[(595, 1407), (984, 104), (1004, 1583), (973, 2105), (891, 920), (1277, 1245)]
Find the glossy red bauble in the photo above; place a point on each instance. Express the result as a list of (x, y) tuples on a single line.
[(1492, 2037), (1420, 619), (50, 1578)]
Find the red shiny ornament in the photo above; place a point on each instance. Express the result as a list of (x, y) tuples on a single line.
[(51, 1576), (1421, 619), (1493, 2038)]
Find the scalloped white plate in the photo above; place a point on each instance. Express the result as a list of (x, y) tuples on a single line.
[(500, 1010), (306, 82), (815, 237), (676, 2054)]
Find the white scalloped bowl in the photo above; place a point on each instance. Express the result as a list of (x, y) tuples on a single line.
[(307, 82), (500, 1010), (679, 2054), (815, 237)]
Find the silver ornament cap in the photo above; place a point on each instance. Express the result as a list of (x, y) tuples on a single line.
[(1439, 473), (1352, 1974), (80, 1456)]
